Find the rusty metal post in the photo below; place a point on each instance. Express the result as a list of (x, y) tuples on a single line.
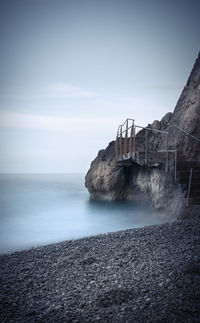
[(131, 141), (117, 146), (120, 144), (134, 139), (146, 147), (125, 140)]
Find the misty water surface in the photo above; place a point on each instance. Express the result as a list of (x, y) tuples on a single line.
[(41, 209)]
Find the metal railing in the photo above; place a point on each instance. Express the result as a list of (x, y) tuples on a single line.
[(125, 144), (127, 148), (187, 133), (191, 169)]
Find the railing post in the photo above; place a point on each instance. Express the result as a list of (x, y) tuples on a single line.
[(167, 153), (189, 187), (120, 144), (126, 139), (117, 146), (131, 141), (134, 138), (146, 147)]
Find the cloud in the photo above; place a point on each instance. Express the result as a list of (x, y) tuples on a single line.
[(52, 123), (66, 90), (53, 90)]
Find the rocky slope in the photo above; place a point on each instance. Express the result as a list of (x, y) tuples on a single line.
[(108, 180)]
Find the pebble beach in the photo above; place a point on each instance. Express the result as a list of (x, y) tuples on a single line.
[(150, 274)]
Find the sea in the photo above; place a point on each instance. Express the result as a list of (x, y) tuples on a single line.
[(39, 209)]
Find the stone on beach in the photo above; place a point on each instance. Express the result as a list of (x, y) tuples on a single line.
[(138, 275)]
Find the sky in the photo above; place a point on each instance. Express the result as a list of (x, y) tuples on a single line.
[(73, 70)]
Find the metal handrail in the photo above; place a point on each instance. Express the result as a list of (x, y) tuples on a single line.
[(187, 133), (155, 130), (125, 129), (150, 129), (121, 125), (126, 121), (132, 146)]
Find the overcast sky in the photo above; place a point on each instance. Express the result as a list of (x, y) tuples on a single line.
[(72, 70)]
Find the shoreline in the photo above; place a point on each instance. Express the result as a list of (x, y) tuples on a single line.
[(46, 245), (143, 274)]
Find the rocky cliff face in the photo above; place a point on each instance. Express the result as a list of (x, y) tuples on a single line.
[(107, 180), (186, 116)]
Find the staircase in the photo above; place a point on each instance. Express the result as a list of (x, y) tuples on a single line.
[(192, 196), (143, 156), (132, 146)]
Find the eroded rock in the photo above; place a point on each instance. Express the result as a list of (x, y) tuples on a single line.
[(108, 180)]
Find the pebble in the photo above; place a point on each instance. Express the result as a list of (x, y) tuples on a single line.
[(151, 274)]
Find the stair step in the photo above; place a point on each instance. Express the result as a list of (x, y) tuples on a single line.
[(183, 170), (195, 171), (188, 165), (186, 177), (187, 174), (162, 156), (192, 194), (195, 181), (193, 187), (194, 201), (195, 194)]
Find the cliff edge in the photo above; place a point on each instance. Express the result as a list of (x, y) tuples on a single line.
[(106, 179)]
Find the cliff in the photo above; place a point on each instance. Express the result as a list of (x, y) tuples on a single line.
[(186, 116), (106, 179)]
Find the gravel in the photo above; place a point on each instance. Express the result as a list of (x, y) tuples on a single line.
[(150, 274)]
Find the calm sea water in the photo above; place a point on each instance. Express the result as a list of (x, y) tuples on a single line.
[(41, 209)]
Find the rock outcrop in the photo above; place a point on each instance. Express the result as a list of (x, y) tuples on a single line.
[(106, 179), (186, 116)]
